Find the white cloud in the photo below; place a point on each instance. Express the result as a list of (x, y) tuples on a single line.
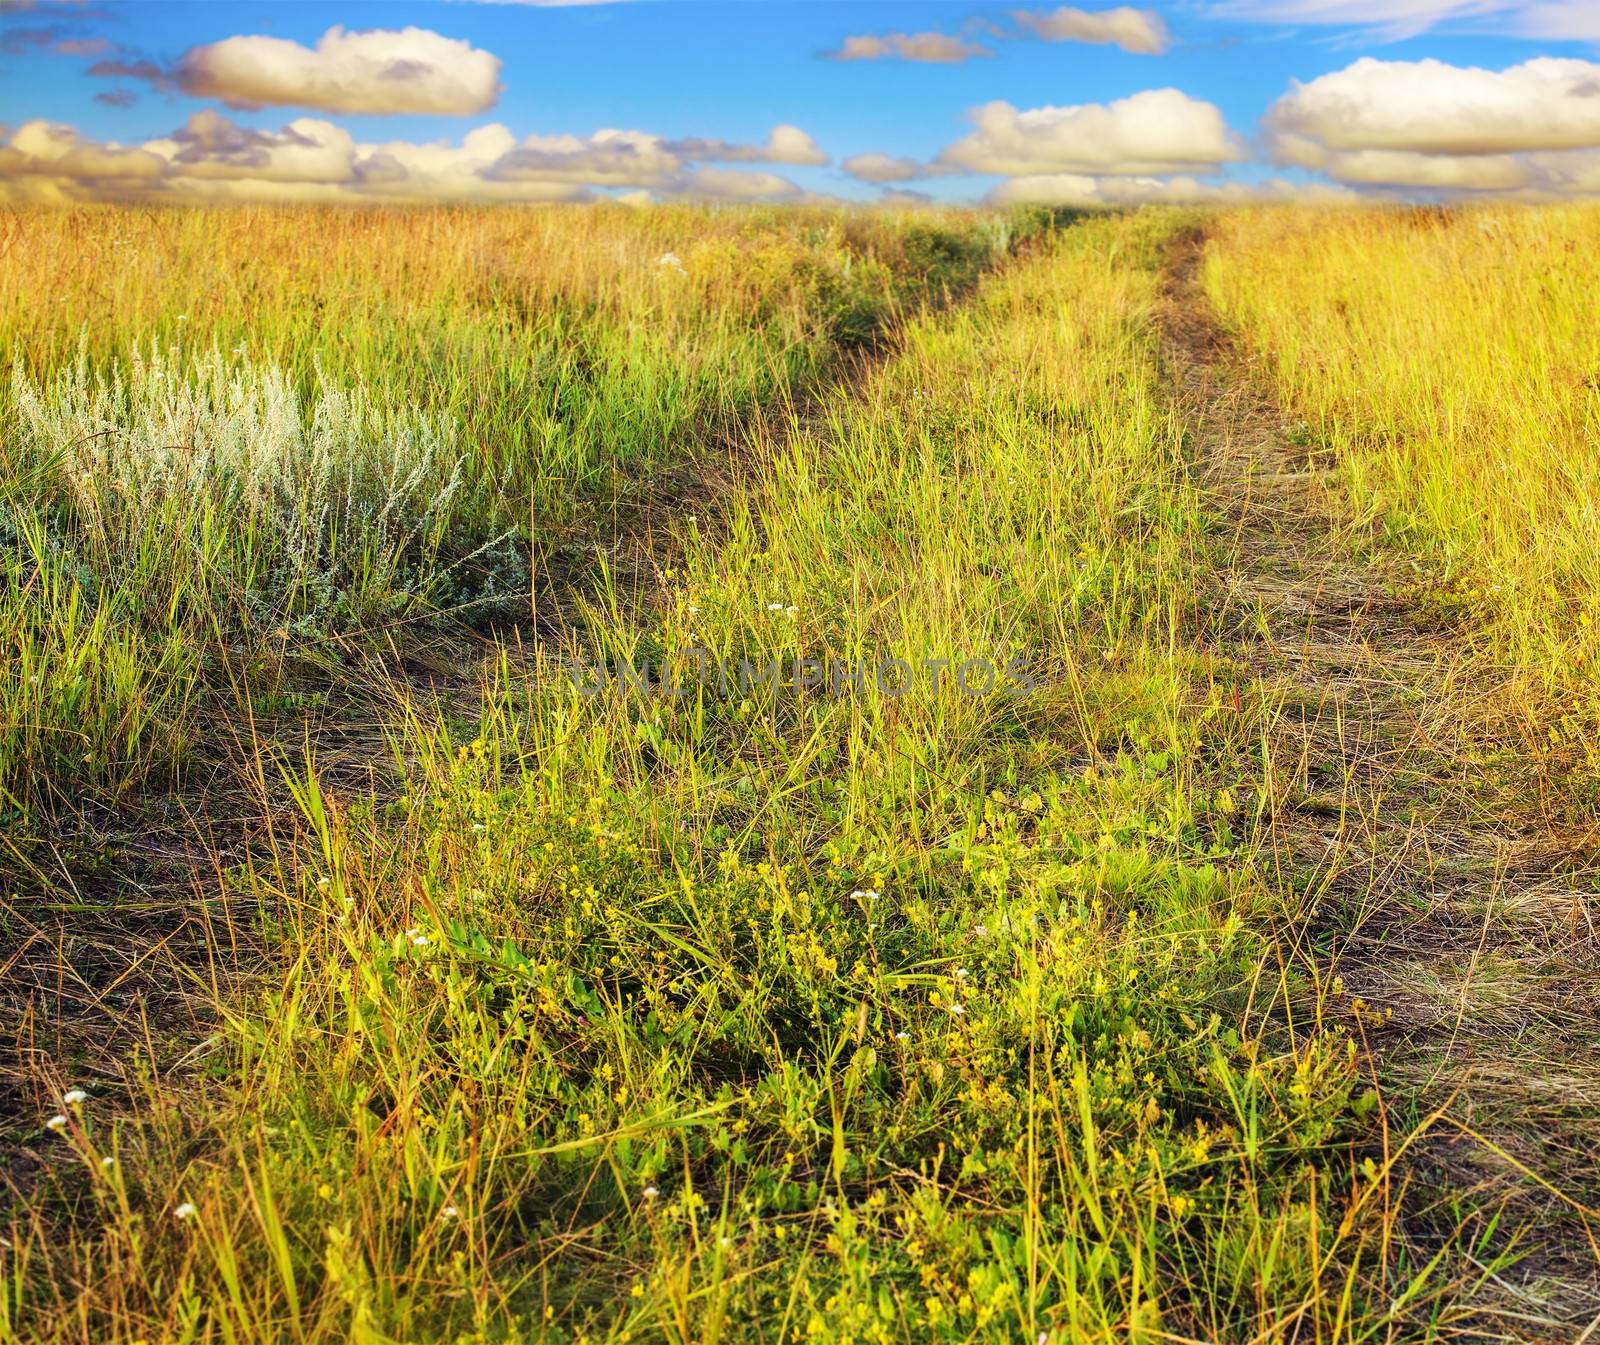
[(1560, 20), (735, 185), (1136, 30), (439, 171), (1403, 168), (211, 146), (1154, 132), (1086, 190), (882, 168), (938, 48), (785, 144), (789, 144), (51, 150), (1546, 103), (381, 70), (1431, 125), (606, 158), (214, 158)]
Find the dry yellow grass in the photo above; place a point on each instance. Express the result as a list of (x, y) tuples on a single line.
[(1452, 361)]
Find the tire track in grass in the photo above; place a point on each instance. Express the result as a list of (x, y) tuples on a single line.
[(1465, 927)]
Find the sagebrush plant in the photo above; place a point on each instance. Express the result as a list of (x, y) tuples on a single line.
[(268, 509), (769, 1015)]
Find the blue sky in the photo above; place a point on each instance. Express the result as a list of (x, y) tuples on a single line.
[(731, 71)]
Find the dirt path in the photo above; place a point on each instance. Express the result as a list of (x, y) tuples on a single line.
[(1443, 900)]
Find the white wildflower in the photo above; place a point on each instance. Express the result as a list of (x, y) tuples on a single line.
[(185, 1211), (73, 1096), (56, 1122), (651, 1192)]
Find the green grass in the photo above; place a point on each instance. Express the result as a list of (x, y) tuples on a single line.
[(761, 1015), (232, 456)]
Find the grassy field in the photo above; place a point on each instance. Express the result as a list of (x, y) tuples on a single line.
[(1446, 362), (927, 970)]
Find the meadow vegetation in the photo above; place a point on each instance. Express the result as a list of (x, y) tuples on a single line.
[(1445, 363), (761, 1013), (232, 434)]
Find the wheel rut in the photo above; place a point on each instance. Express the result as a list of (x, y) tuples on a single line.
[(1462, 920)]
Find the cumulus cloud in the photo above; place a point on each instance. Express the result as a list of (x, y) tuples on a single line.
[(1402, 168), (606, 158), (1136, 30), (377, 71), (1428, 124), (1546, 103), (785, 144), (733, 184), (212, 158), (1155, 132), (939, 48), (211, 146), (51, 150), (1078, 189), (882, 168)]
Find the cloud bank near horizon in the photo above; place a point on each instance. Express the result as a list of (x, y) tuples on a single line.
[(1426, 129)]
